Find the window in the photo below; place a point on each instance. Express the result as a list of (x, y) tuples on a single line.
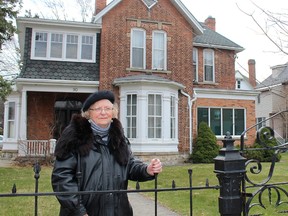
[(138, 45), (56, 45), (221, 120), (87, 47), (154, 116), (11, 120), (131, 115), (72, 46), (41, 44), (63, 46), (195, 64), (172, 117), (238, 84), (159, 50), (260, 122), (208, 65)]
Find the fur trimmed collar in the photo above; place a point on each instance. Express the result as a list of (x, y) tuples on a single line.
[(78, 138)]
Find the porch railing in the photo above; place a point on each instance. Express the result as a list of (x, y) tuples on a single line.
[(39, 147)]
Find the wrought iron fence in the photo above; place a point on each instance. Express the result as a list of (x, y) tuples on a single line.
[(239, 194)]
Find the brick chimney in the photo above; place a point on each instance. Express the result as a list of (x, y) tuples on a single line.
[(252, 72), (210, 22), (99, 5)]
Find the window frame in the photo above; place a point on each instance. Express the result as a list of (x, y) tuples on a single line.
[(195, 64), (221, 118), (164, 50), (64, 46), (211, 64), (11, 120), (131, 129), (155, 116), (133, 30)]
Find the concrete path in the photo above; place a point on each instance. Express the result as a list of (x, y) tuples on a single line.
[(142, 206)]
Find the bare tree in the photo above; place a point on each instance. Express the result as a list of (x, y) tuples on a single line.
[(274, 26)]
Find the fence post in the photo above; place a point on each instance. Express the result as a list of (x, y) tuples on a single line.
[(229, 167)]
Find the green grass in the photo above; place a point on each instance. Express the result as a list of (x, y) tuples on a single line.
[(205, 202)]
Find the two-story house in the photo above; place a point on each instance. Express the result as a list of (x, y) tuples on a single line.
[(168, 71), (273, 98)]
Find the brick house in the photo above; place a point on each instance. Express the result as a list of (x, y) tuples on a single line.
[(168, 71)]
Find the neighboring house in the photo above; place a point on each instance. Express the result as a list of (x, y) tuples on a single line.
[(168, 71), (272, 99)]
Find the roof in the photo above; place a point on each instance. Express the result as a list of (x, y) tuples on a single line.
[(213, 39), (143, 78), (279, 76), (177, 3), (56, 70)]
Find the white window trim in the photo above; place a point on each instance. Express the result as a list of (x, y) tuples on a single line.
[(65, 33), (197, 62), (165, 50), (142, 143), (144, 47), (213, 64)]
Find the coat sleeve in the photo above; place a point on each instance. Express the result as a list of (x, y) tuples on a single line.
[(64, 180), (138, 170)]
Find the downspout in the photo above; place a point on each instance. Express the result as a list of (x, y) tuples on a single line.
[(190, 104)]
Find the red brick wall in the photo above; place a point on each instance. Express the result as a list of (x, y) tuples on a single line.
[(115, 48), (115, 52), (224, 69)]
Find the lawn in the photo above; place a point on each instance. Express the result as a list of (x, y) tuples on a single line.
[(205, 202)]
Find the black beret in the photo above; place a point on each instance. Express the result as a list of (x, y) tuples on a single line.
[(99, 95)]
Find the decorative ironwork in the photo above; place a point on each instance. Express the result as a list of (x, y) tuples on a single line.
[(266, 195)]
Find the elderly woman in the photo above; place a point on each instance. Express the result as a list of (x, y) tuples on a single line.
[(93, 154)]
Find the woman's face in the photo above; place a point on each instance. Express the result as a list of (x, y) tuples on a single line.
[(101, 112)]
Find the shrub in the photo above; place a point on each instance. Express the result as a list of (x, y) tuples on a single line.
[(263, 152), (206, 147)]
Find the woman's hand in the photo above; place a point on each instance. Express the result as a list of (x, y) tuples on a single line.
[(155, 166)]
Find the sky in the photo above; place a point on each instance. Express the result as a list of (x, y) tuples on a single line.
[(232, 22)]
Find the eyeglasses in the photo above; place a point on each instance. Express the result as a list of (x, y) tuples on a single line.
[(100, 109)]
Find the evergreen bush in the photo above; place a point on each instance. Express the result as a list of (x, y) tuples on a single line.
[(206, 147)]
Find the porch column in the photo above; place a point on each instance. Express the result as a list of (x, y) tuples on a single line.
[(23, 116)]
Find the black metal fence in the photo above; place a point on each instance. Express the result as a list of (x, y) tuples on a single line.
[(238, 193)]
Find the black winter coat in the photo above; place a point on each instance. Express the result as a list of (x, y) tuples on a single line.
[(103, 167)]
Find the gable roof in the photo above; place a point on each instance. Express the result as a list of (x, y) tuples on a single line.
[(279, 76), (177, 3), (213, 39)]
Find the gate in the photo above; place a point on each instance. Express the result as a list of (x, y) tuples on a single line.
[(239, 193)]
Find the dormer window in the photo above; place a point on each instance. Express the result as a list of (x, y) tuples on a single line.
[(63, 46)]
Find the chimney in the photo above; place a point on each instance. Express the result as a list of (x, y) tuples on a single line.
[(210, 22), (99, 5), (252, 72)]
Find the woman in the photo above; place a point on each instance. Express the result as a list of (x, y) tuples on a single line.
[(93, 154)]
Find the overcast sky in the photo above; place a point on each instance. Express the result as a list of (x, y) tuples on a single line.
[(230, 22)]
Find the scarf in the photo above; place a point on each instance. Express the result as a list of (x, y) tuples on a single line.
[(99, 131)]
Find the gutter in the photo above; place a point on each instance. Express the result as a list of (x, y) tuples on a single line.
[(190, 104)]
